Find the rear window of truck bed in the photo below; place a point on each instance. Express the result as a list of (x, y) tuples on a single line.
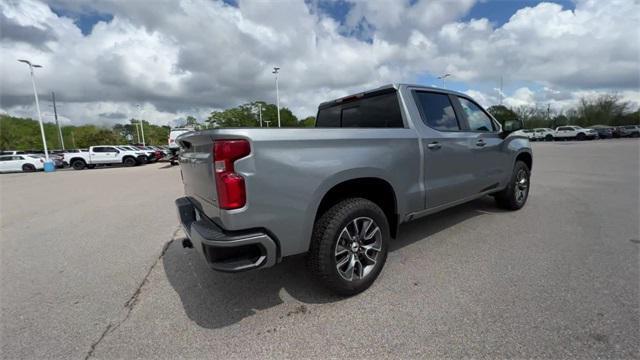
[(370, 111)]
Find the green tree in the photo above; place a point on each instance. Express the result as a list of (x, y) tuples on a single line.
[(309, 121), (502, 113)]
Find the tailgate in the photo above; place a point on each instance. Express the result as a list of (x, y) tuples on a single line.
[(196, 164)]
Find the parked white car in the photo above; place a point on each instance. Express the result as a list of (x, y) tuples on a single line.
[(12, 152), (544, 134), (26, 163), (174, 134), (105, 154), (525, 132), (574, 132)]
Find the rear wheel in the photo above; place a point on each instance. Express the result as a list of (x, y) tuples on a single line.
[(549, 137), (28, 168), (349, 246), (515, 195), (78, 164), (581, 136)]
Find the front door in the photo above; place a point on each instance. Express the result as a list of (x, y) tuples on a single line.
[(486, 147)]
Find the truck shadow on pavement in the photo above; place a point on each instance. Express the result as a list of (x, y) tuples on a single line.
[(215, 300)]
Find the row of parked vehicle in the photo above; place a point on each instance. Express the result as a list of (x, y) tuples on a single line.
[(574, 132), (127, 155)]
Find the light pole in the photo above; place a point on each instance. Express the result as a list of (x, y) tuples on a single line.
[(275, 71), (442, 77), (260, 113), (55, 113), (137, 131), (141, 123), (48, 165)]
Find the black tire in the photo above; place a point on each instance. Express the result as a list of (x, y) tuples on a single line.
[(129, 161), (78, 164), (580, 137), (548, 137), (511, 198), (28, 168), (329, 229)]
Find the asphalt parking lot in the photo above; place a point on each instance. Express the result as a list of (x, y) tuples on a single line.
[(89, 269)]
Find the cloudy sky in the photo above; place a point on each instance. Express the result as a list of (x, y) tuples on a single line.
[(187, 57)]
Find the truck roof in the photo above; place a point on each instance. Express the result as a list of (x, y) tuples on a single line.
[(383, 88)]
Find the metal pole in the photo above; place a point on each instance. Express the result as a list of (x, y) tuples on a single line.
[(275, 71), (141, 124), (55, 114), (35, 92), (260, 112), (142, 131), (137, 131)]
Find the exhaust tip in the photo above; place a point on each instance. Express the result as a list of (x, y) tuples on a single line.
[(186, 243)]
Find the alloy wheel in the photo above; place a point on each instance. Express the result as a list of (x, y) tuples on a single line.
[(357, 248), (522, 185)]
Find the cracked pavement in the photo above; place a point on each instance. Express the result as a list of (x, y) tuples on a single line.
[(102, 277)]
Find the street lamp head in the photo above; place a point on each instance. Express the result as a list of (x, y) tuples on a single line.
[(275, 69)]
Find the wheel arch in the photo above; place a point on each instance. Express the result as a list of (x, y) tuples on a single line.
[(526, 158), (74, 159), (375, 189)]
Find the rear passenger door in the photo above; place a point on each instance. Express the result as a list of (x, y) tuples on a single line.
[(448, 162)]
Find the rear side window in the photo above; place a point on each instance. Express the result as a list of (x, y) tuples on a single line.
[(381, 110), (437, 111)]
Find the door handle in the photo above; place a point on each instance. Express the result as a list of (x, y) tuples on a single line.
[(480, 143), (434, 145)]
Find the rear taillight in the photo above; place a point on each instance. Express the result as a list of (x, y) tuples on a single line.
[(229, 185)]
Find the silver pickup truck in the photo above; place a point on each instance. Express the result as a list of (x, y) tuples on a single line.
[(339, 191)]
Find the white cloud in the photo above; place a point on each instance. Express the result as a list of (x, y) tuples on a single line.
[(191, 56)]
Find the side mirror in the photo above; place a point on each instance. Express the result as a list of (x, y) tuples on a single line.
[(512, 125)]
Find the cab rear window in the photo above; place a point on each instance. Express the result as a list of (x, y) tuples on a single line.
[(371, 111)]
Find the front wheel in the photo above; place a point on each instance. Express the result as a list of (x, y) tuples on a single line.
[(129, 161), (28, 168), (515, 195), (349, 246), (549, 137)]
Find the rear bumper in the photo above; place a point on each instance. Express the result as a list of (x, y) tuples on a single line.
[(224, 250)]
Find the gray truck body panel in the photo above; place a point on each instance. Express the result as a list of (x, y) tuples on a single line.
[(289, 171)]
